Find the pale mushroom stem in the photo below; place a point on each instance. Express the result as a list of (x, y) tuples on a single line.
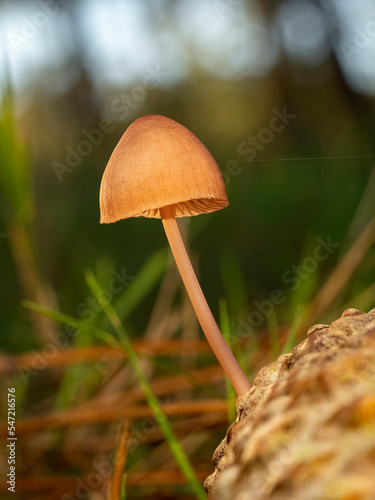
[(203, 312)]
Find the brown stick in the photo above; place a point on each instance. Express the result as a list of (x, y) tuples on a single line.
[(122, 452)]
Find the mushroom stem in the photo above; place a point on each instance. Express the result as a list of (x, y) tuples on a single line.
[(203, 312)]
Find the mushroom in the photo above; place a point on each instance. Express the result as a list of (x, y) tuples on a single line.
[(160, 169)]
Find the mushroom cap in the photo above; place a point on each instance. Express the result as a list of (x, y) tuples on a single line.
[(157, 163)]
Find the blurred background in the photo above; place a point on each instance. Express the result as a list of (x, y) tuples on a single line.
[(283, 95)]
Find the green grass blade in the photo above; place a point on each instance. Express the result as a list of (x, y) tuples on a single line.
[(306, 282), (123, 488), (234, 284), (292, 335), (77, 324), (226, 331), (274, 335), (15, 174)]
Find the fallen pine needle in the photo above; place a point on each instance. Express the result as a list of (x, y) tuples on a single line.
[(121, 455)]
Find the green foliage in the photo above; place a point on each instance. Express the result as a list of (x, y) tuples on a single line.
[(16, 186), (274, 335), (293, 329), (225, 328)]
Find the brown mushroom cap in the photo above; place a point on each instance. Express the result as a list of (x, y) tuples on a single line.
[(157, 163)]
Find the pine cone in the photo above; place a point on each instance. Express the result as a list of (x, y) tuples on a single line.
[(306, 430)]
